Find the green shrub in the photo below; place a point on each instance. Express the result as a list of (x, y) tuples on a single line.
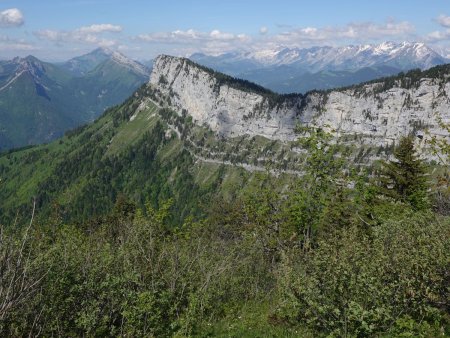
[(363, 284)]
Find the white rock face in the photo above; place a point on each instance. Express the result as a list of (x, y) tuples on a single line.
[(226, 110), (379, 116)]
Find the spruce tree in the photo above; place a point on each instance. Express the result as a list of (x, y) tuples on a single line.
[(404, 178)]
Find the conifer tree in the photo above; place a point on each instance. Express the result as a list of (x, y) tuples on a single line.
[(404, 178)]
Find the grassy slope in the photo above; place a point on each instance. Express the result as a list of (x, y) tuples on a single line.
[(86, 170)]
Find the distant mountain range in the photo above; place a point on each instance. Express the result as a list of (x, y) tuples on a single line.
[(39, 101), (302, 69)]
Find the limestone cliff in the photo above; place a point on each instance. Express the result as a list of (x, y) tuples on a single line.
[(380, 111)]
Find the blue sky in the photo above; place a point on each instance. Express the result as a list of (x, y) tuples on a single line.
[(57, 30)]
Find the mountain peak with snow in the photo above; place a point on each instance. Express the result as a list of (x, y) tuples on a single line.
[(404, 55)]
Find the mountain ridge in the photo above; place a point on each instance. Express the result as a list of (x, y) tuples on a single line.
[(338, 58), (39, 101), (380, 111), (287, 69)]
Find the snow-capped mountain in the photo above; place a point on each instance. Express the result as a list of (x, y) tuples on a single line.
[(284, 69), (405, 55), (444, 51)]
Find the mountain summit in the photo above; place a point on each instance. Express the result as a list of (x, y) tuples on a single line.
[(80, 65), (83, 64)]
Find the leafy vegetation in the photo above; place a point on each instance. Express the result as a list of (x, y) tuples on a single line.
[(327, 255)]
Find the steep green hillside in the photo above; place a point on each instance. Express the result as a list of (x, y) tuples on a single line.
[(39, 101), (129, 150), (35, 103)]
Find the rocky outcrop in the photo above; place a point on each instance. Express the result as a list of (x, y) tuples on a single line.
[(379, 112), (383, 116), (227, 110)]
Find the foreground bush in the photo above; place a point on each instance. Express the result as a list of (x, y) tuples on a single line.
[(393, 278), (128, 275), (244, 271)]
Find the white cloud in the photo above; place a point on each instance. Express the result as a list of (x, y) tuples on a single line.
[(443, 35), (126, 48), (189, 36), (444, 20), (101, 28), (216, 42), (11, 18), (353, 32), (15, 45), (438, 36), (92, 34), (218, 35), (309, 30), (213, 42)]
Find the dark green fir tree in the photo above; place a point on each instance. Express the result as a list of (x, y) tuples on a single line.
[(404, 178)]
